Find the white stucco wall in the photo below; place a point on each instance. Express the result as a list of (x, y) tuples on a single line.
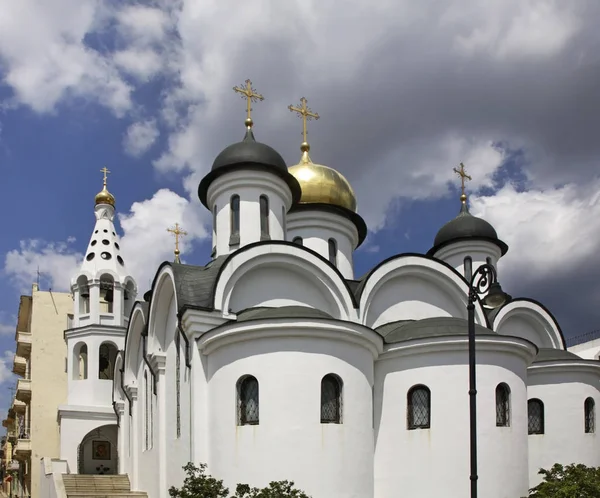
[(435, 461), (589, 350), (563, 390), (325, 460)]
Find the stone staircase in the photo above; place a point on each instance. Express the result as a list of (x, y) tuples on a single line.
[(95, 486)]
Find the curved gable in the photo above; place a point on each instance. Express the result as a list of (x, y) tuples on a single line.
[(414, 287), (529, 320), (163, 310), (133, 342), (277, 275)]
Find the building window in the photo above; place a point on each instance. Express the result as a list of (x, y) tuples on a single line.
[(284, 222), (590, 416), (215, 220), (248, 405), (488, 260), (178, 382), (331, 399), (535, 416), (332, 251), (235, 220), (264, 217), (419, 408), (80, 366), (107, 354), (298, 240), (84, 294), (502, 405), (107, 293), (468, 268), (146, 411)]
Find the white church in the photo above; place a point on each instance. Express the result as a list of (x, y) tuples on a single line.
[(275, 361)]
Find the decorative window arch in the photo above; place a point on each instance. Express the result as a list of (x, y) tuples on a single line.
[(298, 240), (248, 400), (107, 354), (80, 361), (332, 246), (264, 217), (235, 219), (589, 407), (107, 293), (502, 405), (419, 407), (331, 399), (468, 267), (535, 416)]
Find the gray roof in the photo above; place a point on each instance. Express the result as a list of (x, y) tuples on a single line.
[(551, 354), (466, 226), (264, 312), (405, 330)]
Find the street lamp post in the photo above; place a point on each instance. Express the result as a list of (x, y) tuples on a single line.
[(484, 281)]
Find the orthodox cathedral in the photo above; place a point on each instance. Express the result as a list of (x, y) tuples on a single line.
[(275, 361)]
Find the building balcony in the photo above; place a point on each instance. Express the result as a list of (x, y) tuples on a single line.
[(22, 449), (23, 344), (19, 365), (18, 406), (23, 390)]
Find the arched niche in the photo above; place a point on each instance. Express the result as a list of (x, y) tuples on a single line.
[(529, 320), (107, 354), (413, 288), (133, 344), (107, 293), (163, 311), (83, 288), (79, 365), (129, 294), (98, 451), (281, 275)]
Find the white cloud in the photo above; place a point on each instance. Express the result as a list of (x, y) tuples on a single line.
[(57, 261), (550, 233), (146, 242), (140, 137), (6, 361), (140, 63)]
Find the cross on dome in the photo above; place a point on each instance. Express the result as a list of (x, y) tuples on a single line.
[(306, 114), (250, 95), (463, 178), (178, 232)]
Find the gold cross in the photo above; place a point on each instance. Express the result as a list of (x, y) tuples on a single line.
[(178, 232), (463, 177), (106, 172), (305, 113), (250, 95)]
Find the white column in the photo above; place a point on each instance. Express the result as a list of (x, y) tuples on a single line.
[(133, 394), (121, 435), (158, 361)]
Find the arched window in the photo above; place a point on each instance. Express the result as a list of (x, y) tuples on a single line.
[(106, 361), (248, 404), (146, 411), (332, 244), (298, 240), (331, 399), (502, 405), (419, 408), (235, 220), (215, 219), (535, 416), (80, 362), (590, 416), (284, 222), (107, 293), (264, 217), (84, 294), (468, 264)]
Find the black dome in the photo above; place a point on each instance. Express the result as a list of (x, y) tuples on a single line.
[(249, 154), (466, 226)]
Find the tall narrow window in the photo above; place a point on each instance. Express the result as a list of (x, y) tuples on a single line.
[(284, 222), (468, 268), (590, 416), (264, 217), (535, 416), (214, 241), (298, 240), (331, 399), (107, 293), (419, 408), (178, 382), (332, 251), (248, 407), (502, 405), (215, 219), (235, 220), (146, 410)]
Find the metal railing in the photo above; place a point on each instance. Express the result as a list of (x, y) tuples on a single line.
[(581, 338)]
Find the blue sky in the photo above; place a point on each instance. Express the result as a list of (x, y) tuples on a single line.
[(145, 88)]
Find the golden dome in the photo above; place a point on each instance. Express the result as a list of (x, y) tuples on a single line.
[(323, 185), (105, 197)]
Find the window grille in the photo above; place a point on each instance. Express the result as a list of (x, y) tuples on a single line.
[(248, 401), (590, 416), (331, 400), (535, 416), (419, 408), (468, 267), (502, 405)]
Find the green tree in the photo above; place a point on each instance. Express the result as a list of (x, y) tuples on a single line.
[(198, 484), (572, 481)]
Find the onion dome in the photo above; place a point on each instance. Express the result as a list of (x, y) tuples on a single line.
[(466, 227), (249, 155), (104, 196)]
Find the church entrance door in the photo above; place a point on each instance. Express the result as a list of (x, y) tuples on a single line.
[(98, 451)]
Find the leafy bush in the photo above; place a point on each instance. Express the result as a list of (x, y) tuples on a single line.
[(572, 481)]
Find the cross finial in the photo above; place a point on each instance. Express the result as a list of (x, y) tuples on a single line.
[(250, 95), (463, 178), (177, 232), (106, 172), (306, 114)]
